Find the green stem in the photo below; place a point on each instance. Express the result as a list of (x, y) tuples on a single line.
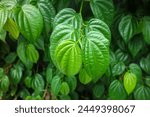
[(81, 7)]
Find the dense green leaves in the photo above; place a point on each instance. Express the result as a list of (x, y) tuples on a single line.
[(95, 54), (103, 9), (127, 27), (129, 81), (68, 57), (29, 21)]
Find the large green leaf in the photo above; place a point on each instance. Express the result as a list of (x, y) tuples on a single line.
[(60, 33), (146, 29), (68, 16), (98, 25), (117, 91), (68, 57), (103, 9), (29, 21), (127, 27), (84, 77), (48, 12), (95, 54), (12, 28), (145, 64), (129, 81), (142, 93)]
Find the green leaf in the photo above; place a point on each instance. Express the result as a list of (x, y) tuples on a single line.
[(100, 26), (1, 72), (28, 82), (64, 88), (48, 12), (62, 32), (145, 64), (68, 57), (135, 45), (16, 74), (29, 21), (146, 29), (98, 90), (10, 58), (32, 53), (12, 28), (122, 56), (84, 77), (103, 9), (95, 54), (2, 35), (38, 83), (3, 19), (136, 70), (117, 91), (56, 85), (72, 82), (118, 68), (21, 52), (127, 27), (4, 84), (147, 80), (142, 93), (130, 82), (68, 16), (49, 74)]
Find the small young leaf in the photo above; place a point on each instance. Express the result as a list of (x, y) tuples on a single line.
[(129, 81), (56, 85), (64, 90)]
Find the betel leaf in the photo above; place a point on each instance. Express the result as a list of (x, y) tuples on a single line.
[(4, 84), (29, 21), (38, 83), (48, 12), (118, 68), (64, 90), (117, 91), (84, 78), (98, 25), (142, 93), (12, 28), (49, 74), (146, 29), (2, 35), (103, 9), (10, 58), (21, 52), (129, 81), (127, 27), (122, 56), (68, 16), (98, 90), (16, 74), (32, 53), (28, 81), (135, 45), (95, 54), (135, 69), (147, 80), (72, 82), (145, 64), (60, 33), (3, 15), (56, 85), (68, 57)]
